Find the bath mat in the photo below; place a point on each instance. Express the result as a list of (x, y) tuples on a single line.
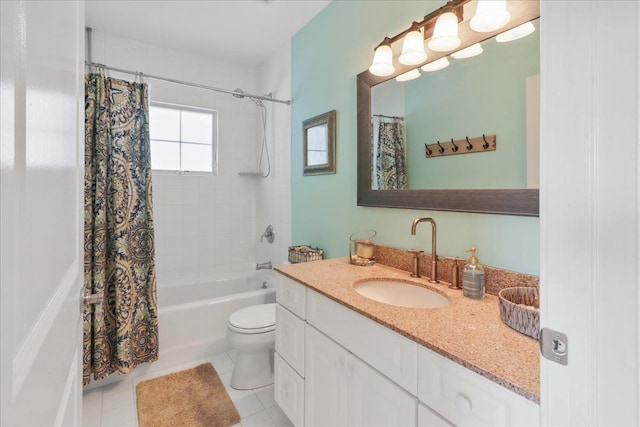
[(194, 397)]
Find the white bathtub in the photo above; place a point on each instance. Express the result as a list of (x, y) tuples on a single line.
[(193, 318)]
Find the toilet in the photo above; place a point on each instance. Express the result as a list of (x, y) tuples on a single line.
[(251, 332)]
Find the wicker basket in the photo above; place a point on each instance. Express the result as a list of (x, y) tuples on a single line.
[(520, 309), (304, 254)]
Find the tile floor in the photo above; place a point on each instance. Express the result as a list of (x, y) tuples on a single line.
[(114, 404)]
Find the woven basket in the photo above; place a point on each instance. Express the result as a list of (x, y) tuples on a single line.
[(304, 253), (520, 309)]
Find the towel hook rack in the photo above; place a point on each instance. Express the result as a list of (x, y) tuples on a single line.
[(479, 144)]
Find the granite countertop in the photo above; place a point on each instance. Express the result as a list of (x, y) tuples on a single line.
[(469, 332)]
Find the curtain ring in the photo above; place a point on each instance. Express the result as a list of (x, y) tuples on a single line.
[(455, 147), (486, 144), (441, 149), (427, 150), (469, 146)]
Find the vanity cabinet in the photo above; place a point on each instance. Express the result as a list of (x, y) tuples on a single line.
[(342, 390), (336, 367)]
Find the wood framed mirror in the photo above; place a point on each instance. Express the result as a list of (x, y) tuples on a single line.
[(512, 201), (319, 139)]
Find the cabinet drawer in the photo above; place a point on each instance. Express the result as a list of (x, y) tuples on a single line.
[(390, 353), (291, 294), (290, 338), (289, 391), (466, 398)]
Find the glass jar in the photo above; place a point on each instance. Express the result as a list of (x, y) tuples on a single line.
[(362, 249)]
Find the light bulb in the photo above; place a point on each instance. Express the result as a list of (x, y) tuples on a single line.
[(445, 33), (490, 15), (409, 75), (436, 65), (473, 50), (516, 33), (413, 48), (382, 61)]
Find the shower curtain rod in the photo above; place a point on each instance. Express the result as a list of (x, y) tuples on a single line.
[(181, 82)]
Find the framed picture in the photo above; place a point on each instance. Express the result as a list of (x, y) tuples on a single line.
[(319, 141)]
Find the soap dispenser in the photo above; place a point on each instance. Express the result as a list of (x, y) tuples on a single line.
[(473, 277)]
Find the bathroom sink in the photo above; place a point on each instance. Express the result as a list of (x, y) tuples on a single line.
[(403, 294)]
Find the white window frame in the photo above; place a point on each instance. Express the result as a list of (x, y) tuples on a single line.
[(214, 136)]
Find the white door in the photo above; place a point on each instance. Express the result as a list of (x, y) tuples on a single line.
[(589, 210), (376, 401), (41, 205), (325, 386)]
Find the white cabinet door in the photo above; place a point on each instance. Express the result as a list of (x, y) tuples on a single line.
[(376, 401), (325, 381)]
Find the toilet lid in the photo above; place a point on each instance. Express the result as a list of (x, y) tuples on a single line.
[(255, 318)]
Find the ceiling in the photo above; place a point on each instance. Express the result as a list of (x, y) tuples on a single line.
[(246, 32)]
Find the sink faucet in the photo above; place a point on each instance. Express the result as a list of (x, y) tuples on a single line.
[(434, 257), (264, 266)]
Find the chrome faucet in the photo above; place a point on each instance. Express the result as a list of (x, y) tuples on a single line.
[(434, 257), (264, 266)]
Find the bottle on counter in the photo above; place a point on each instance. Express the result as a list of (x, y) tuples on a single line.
[(473, 277)]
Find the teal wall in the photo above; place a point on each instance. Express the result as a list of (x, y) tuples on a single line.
[(485, 94), (327, 54)]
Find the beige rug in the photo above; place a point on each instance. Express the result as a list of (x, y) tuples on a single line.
[(195, 397)]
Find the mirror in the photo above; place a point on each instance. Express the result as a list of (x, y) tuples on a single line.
[(319, 144), (487, 94), (437, 107)]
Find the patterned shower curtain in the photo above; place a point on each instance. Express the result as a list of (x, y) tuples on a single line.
[(391, 172), (119, 263)]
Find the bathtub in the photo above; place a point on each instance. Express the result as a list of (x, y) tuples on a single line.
[(192, 318)]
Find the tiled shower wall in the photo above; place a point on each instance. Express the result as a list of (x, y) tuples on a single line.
[(273, 194), (205, 225)]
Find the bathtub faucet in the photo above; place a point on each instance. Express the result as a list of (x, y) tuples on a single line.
[(264, 266)]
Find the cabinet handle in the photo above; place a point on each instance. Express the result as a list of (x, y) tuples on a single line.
[(463, 403)]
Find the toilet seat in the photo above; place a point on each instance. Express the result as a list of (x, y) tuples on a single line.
[(256, 319)]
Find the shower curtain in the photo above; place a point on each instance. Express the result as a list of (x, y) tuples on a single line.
[(390, 170), (119, 263)]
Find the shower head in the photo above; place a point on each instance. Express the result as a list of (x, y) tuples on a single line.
[(239, 93)]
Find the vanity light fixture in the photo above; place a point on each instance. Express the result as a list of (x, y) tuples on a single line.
[(409, 75), (490, 15), (445, 34), (473, 50), (382, 59), (413, 47), (436, 65), (440, 29), (516, 33)]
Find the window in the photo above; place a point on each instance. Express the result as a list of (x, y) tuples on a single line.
[(183, 139)]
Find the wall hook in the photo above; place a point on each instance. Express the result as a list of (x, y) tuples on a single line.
[(469, 146), (455, 147), (485, 145), (441, 149), (427, 150)]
